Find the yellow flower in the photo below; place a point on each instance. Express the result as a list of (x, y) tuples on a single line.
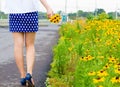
[(106, 66), (112, 60), (101, 57), (62, 38), (102, 73), (118, 40), (115, 79), (97, 40), (117, 65), (89, 57), (117, 71), (100, 86), (55, 18), (87, 51), (70, 48), (92, 73), (99, 79), (108, 42), (82, 58), (113, 45)]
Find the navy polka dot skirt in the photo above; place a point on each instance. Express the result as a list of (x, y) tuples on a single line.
[(23, 22)]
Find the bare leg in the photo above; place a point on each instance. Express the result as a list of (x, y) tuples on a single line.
[(30, 50), (18, 52)]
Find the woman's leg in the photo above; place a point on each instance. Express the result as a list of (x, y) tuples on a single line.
[(18, 52), (30, 50)]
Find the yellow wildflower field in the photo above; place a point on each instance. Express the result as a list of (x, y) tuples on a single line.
[(87, 55)]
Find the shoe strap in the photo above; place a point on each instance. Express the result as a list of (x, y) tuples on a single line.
[(28, 76)]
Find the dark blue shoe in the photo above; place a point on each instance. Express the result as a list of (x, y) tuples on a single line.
[(23, 81), (28, 80)]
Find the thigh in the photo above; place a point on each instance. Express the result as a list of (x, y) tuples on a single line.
[(30, 38), (18, 38)]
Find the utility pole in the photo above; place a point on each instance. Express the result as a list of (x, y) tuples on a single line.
[(66, 6), (95, 7), (64, 14), (0, 9), (116, 13), (76, 9)]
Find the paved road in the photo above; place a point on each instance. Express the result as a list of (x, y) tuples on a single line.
[(45, 40)]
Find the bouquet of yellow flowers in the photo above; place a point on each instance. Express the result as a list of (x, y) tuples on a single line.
[(55, 18)]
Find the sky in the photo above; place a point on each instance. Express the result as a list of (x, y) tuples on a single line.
[(85, 5)]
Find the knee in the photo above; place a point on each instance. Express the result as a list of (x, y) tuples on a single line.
[(19, 43), (29, 44)]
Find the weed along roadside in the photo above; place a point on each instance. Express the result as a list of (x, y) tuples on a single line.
[(87, 54)]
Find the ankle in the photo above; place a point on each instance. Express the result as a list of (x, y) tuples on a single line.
[(29, 72), (23, 75)]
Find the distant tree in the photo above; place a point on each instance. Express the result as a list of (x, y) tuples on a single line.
[(90, 16), (87, 14), (3, 16), (99, 11), (119, 14), (42, 15), (102, 16), (111, 15), (80, 13), (72, 16)]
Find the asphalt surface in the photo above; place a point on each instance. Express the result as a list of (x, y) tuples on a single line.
[(46, 39)]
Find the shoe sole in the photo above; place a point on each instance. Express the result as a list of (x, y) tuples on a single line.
[(29, 84)]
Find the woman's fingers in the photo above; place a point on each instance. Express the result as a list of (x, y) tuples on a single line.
[(49, 13)]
